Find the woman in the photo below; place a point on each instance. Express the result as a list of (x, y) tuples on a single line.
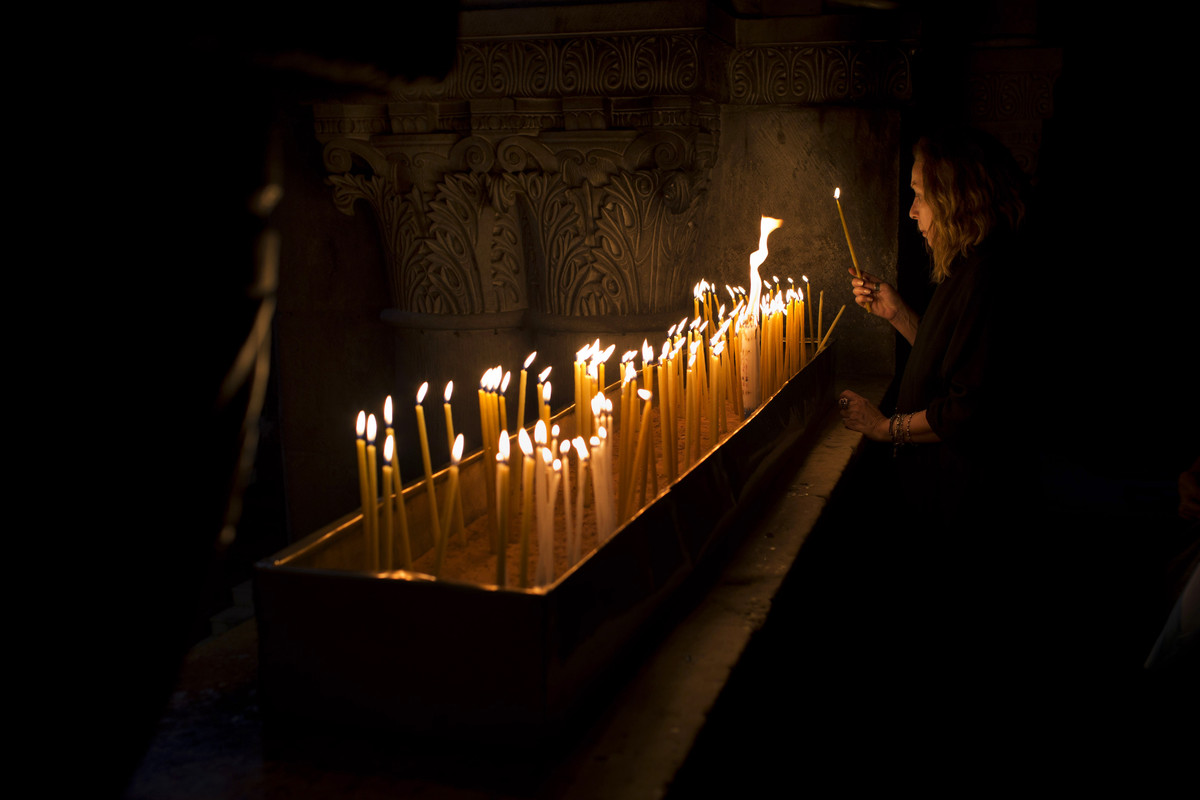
[(954, 414)]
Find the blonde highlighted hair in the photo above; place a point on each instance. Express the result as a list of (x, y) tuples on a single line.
[(973, 186)]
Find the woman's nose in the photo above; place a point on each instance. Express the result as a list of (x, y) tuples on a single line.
[(912, 210)]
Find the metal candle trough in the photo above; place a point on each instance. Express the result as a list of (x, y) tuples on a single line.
[(405, 653)]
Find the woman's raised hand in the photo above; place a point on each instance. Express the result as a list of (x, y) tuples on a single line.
[(884, 300)]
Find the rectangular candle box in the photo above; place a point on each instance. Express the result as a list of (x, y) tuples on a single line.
[(404, 653)]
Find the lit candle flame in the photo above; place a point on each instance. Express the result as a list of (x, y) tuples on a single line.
[(544, 374), (387, 411), (503, 448), (372, 428), (644, 394), (546, 391), (530, 359), (389, 447), (580, 448), (539, 432), (360, 425), (504, 383), (421, 392), (450, 391), (837, 193), (766, 225), (456, 454), (523, 441)]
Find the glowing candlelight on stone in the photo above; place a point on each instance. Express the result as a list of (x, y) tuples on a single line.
[(433, 509), (364, 487), (837, 193), (451, 498), (389, 446)]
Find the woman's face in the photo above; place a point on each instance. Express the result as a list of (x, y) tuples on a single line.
[(920, 210)]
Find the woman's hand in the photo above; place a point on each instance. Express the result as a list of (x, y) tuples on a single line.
[(884, 301), (871, 290), (859, 415)]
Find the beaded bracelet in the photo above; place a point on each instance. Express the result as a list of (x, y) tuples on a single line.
[(900, 429)]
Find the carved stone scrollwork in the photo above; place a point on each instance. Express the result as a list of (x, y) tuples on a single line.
[(819, 74), (566, 224), (657, 63), (566, 175)]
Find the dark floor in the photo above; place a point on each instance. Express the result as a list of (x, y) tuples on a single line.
[(850, 682)]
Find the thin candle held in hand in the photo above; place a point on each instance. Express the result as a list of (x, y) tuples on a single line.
[(837, 194)]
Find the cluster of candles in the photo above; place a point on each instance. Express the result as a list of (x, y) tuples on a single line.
[(708, 364)]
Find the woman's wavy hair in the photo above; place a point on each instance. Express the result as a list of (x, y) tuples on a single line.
[(973, 187)]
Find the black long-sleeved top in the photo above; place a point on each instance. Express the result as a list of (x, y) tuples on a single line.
[(961, 374)]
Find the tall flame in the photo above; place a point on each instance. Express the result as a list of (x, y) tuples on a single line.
[(767, 225)]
